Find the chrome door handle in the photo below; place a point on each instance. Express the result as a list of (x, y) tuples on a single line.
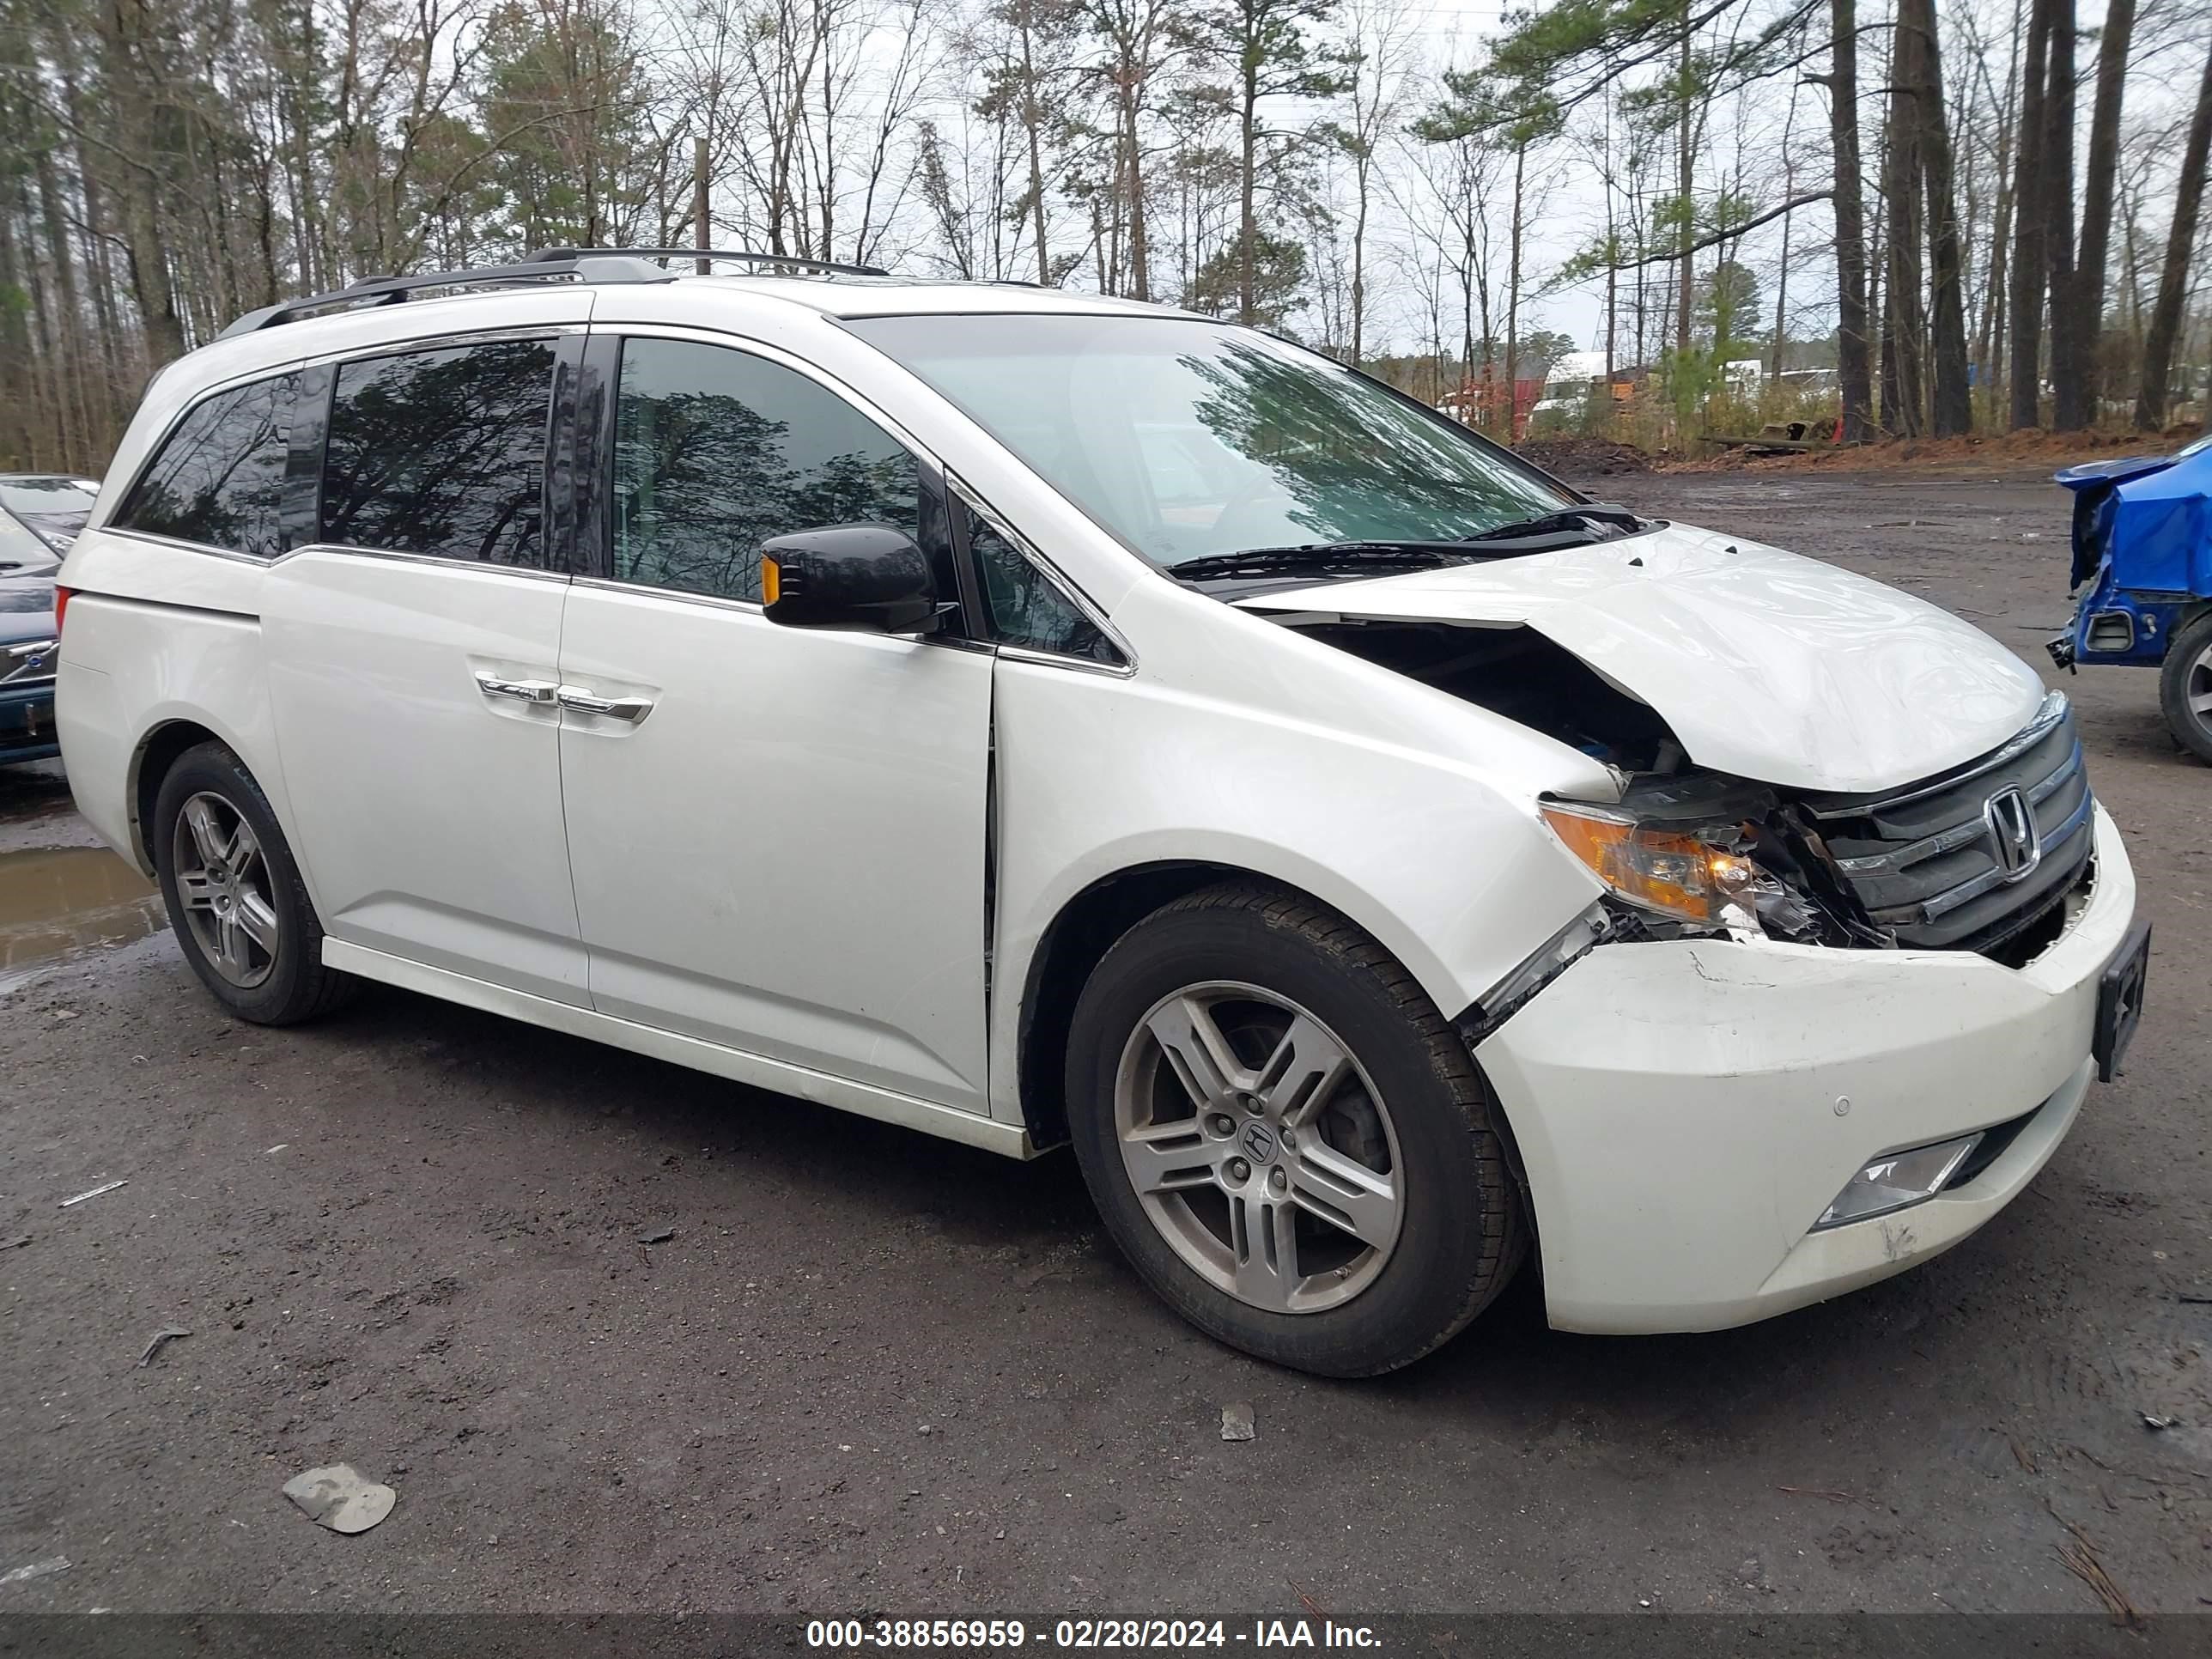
[(521, 690), (632, 709)]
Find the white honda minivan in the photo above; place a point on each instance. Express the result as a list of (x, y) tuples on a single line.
[(1035, 718)]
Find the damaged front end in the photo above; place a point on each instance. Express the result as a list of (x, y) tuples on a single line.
[(1684, 849), (2141, 552), (1982, 856), (1694, 853), (1686, 855), (1987, 857)]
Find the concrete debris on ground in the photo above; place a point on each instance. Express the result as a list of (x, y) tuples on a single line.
[(1237, 1422), (36, 1570), (167, 1333), (340, 1498)]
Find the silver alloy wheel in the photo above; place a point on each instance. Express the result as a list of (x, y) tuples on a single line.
[(2196, 689), (1258, 1147), (223, 883)]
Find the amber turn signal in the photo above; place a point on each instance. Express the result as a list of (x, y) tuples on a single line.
[(1676, 873)]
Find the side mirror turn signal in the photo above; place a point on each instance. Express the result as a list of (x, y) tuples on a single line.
[(869, 578)]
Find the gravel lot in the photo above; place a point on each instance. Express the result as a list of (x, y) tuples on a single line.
[(871, 1371)]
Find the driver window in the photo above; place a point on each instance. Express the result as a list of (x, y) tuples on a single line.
[(716, 451)]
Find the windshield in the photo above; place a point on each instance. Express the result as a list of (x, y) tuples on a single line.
[(1188, 439), (55, 508)]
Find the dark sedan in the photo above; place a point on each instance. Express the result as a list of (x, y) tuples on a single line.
[(40, 516)]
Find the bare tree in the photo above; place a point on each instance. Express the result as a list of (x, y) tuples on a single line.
[(1854, 360), (1378, 38), (2087, 302), (2173, 279)]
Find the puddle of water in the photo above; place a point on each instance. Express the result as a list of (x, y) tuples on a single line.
[(57, 902)]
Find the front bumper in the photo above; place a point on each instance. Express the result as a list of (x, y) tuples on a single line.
[(1685, 1110), (26, 723)]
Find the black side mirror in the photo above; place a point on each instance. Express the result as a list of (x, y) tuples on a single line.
[(867, 577)]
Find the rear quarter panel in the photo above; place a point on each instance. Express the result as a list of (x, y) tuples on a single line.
[(157, 633)]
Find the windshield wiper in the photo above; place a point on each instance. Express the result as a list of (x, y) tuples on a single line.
[(1324, 558), (1584, 521), (1588, 521)]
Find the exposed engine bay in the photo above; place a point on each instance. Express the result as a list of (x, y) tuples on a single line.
[(1519, 673)]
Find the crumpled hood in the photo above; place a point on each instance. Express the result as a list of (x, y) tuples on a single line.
[(1765, 663)]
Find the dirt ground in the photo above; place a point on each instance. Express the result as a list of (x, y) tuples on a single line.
[(869, 1371)]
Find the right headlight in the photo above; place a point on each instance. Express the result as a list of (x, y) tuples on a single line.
[(1689, 872)]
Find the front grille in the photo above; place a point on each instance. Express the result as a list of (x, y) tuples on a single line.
[(31, 663), (1953, 863)]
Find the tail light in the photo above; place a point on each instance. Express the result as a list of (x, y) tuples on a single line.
[(61, 606)]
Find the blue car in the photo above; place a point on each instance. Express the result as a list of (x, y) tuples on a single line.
[(39, 517), (2142, 546)]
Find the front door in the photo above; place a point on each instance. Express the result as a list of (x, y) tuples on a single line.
[(412, 649), (777, 835)]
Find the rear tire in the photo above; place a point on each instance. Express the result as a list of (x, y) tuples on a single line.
[(235, 899), (1288, 1141), (2185, 687)]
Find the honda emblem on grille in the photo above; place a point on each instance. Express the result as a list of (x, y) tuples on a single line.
[(2014, 832)]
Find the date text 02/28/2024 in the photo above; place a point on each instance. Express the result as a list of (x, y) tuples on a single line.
[(1159, 1635)]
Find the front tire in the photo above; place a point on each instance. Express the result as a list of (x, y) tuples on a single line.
[(235, 896), (1286, 1138), (2185, 687)]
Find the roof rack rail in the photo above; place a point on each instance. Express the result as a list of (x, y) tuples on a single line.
[(587, 265), (790, 261)]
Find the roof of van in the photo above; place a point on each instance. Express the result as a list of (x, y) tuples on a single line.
[(724, 300), (430, 311), (893, 296)]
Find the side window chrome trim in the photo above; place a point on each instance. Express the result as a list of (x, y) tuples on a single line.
[(444, 561), (447, 341), (1058, 580), (1029, 653), (204, 549), (718, 601), (753, 607)]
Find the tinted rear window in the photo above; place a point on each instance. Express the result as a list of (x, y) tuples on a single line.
[(218, 478), (441, 451)]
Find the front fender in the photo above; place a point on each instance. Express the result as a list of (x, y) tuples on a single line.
[(1456, 880)]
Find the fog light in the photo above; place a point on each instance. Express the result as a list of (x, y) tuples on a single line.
[(1896, 1180)]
